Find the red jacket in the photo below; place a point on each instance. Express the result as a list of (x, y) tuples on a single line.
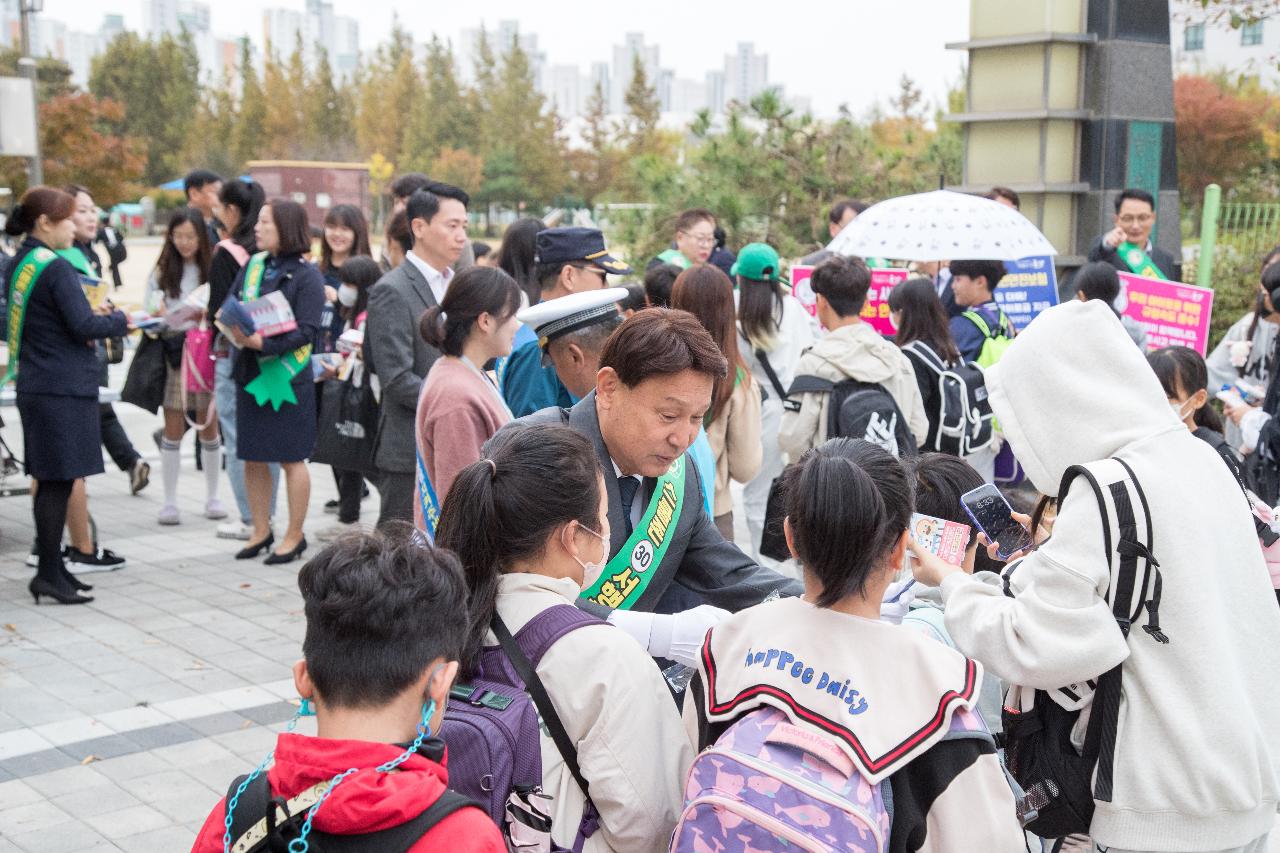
[(367, 801)]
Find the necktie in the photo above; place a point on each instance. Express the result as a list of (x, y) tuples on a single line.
[(627, 487)]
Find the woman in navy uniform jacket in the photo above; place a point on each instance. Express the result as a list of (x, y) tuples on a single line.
[(53, 351), (283, 432)]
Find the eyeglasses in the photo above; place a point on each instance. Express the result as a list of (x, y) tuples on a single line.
[(701, 239), (1136, 218), (595, 270)]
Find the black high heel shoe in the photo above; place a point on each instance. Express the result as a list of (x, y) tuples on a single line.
[(288, 557), (251, 551), (61, 594), (74, 581)]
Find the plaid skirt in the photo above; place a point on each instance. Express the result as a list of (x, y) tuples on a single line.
[(173, 393)]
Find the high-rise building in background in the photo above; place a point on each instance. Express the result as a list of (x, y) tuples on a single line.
[(746, 73), (500, 39)]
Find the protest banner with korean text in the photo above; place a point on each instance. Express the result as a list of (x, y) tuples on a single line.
[(876, 310), (1029, 287), (1173, 314)]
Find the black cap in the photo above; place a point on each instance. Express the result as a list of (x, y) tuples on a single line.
[(566, 245)]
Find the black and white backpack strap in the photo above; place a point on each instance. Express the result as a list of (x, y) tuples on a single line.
[(926, 354)]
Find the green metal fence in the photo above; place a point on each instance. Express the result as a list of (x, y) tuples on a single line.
[(1249, 228)]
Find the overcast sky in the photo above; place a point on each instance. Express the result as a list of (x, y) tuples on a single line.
[(833, 52)]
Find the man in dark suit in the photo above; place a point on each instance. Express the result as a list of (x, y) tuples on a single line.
[(393, 348), (1134, 223), (670, 571)]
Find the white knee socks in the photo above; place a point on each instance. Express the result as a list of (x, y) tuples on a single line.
[(170, 464), (211, 461)]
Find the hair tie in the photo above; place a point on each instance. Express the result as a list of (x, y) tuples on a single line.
[(494, 466)]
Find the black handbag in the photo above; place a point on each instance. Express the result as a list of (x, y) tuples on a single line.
[(773, 542), (348, 425), (114, 349), (144, 385)]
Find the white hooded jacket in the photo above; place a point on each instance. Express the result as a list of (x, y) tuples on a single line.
[(1197, 750)]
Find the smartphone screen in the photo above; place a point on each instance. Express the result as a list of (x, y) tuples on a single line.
[(994, 517)]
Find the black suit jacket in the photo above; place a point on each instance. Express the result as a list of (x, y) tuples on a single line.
[(400, 358), (700, 567), (1161, 258)]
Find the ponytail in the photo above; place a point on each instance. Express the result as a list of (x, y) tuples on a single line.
[(475, 291), (848, 503), (499, 510)]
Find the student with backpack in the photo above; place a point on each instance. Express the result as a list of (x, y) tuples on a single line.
[(386, 617), (852, 382), (983, 331), (801, 704), (773, 330), (1142, 635), (530, 523), (954, 391)]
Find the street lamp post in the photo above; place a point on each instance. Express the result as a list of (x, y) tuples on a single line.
[(27, 68)]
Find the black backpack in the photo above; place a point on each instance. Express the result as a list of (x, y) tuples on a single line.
[(960, 419), (265, 823), (1062, 784), (862, 410)]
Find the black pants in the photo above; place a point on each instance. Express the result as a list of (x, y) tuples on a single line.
[(350, 490), (114, 439), (398, 492), (50, 510)]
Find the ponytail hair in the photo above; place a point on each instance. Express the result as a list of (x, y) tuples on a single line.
[(37, 202), (848, 502), (500, 510), (475, 291)]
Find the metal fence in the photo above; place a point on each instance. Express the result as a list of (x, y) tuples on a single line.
[(1249, 228)]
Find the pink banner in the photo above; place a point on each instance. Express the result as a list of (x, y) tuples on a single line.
[(876, 310), (1174, 314)]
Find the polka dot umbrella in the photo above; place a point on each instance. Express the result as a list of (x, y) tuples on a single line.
[(941, 226)]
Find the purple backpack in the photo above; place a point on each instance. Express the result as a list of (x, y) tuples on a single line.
[(491, 727), (767, 779)]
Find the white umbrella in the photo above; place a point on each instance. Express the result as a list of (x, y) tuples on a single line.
[(941, 226)]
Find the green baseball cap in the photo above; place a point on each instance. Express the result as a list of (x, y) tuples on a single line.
[(757, 261)]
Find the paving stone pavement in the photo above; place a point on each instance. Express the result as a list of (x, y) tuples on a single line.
[(123, 721)]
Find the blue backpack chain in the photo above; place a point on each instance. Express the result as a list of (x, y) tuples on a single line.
[(300, 844)]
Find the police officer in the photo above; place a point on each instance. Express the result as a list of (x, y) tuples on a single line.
[(571, 333), (569, 260)]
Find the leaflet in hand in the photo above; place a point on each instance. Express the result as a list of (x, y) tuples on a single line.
[(945, 539), (269, 316)]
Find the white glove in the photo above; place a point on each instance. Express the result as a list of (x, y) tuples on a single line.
[(897, 601), (678, 636)]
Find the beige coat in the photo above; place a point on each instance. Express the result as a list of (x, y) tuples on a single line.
[(616, 707), (851, 352), (735, 440)]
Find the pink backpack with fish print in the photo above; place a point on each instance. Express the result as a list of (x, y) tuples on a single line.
[(767, 780)]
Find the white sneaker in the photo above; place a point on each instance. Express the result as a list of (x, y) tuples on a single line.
[(333, 531), (214, 509), (169, 515), (235, 529)]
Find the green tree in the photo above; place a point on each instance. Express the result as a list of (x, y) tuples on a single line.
[(211, 142), (326, 111), (528, 134), (595, 167), (252, 116), (158, 84), (643, 109), (444, 120)]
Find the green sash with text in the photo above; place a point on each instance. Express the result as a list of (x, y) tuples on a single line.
[(628, 574), (24, 278), (1137, 261)]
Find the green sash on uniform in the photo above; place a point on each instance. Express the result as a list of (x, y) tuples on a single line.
[(24, 278), (1137, 261), (276, 372), (628, 574), (675, 256)]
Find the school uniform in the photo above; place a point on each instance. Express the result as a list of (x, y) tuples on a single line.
[(287, 435), (58, 372)]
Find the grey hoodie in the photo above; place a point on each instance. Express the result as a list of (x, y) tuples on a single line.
[(851, 352), (1197, 752)]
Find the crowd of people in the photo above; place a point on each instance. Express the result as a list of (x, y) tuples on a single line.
[(555, 635)]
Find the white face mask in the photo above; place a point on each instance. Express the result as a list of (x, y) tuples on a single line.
[(347, 295), (591, 571), (1178, 409)]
